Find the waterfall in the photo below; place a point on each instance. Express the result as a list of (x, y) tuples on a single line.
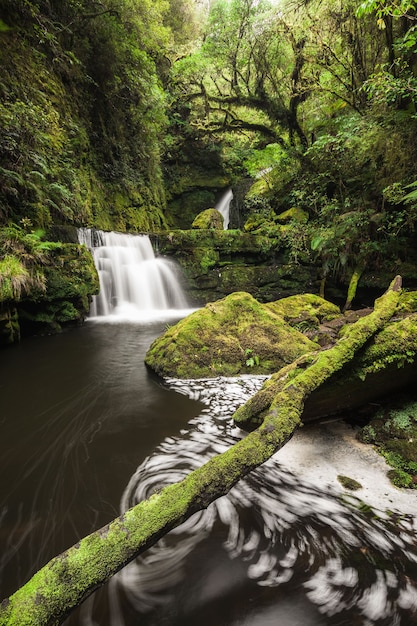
[(133, 282), (223, 206)]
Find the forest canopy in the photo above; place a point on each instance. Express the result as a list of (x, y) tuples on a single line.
[(112, 111)]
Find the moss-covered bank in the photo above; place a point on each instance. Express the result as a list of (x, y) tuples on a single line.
[(62, 297)]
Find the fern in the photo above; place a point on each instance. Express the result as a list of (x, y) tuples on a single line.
[(412, 195)]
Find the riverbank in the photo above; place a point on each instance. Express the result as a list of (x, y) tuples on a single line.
[(322, 451)]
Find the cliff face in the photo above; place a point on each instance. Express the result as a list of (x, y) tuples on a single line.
[(79, 138), (82, 115)]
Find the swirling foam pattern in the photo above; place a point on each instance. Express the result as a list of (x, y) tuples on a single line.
[(349, 559)]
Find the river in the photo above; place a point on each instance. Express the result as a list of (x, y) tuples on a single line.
[(87, 431)]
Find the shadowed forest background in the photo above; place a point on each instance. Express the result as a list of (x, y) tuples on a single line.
[(135, 116)]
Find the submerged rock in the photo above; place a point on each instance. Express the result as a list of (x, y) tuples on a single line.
[(232, 336)]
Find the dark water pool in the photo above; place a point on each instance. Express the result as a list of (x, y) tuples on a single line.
[(86, 432)]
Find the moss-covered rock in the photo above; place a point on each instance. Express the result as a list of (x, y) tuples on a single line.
[(210, 219), (393, 432), (294, 214), (231, 336), (71, 280), (305, 311)]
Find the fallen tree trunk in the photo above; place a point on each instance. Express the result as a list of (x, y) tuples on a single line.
[(64, 582)]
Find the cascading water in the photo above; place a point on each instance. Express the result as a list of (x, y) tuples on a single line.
[(223, 206), (133, 282)]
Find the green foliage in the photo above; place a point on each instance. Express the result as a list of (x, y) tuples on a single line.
[(382, 8), (394, 433), (394, 82), (368, 434), (82, 111), (23, 255), (14, 278), (400, 478), (251, 358), (264, 160), (401, 419)]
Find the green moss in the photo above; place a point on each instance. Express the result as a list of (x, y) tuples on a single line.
[(218, 338), (210, 219), (13, 276), (408, 302), (305, 311), (396, 344), (259, 188), (393, 432), (349, 483), (71, 280), (294, 214)]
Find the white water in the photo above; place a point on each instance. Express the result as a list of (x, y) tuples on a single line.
[(134, 284), (223, 206)]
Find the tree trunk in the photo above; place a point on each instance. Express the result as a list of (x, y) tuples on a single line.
[(64, 582), (353, 286)]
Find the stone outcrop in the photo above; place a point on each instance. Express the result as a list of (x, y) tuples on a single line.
[(232, 336), (238, 335)]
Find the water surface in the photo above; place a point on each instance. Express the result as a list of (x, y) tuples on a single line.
[(87, 432)]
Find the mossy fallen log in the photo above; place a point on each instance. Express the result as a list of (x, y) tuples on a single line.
[(385, 365), (69, 578)]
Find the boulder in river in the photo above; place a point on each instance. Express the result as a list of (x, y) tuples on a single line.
[(234, 335)]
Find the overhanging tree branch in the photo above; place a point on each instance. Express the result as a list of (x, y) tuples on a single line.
[(241, 125)]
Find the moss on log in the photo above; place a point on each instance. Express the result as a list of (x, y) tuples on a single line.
[(69, 578)]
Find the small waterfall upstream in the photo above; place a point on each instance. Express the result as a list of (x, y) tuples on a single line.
[(134, 283), (223, 206)]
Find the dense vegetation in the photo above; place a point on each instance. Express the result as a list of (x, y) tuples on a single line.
[(131, 115), (323, 94)]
